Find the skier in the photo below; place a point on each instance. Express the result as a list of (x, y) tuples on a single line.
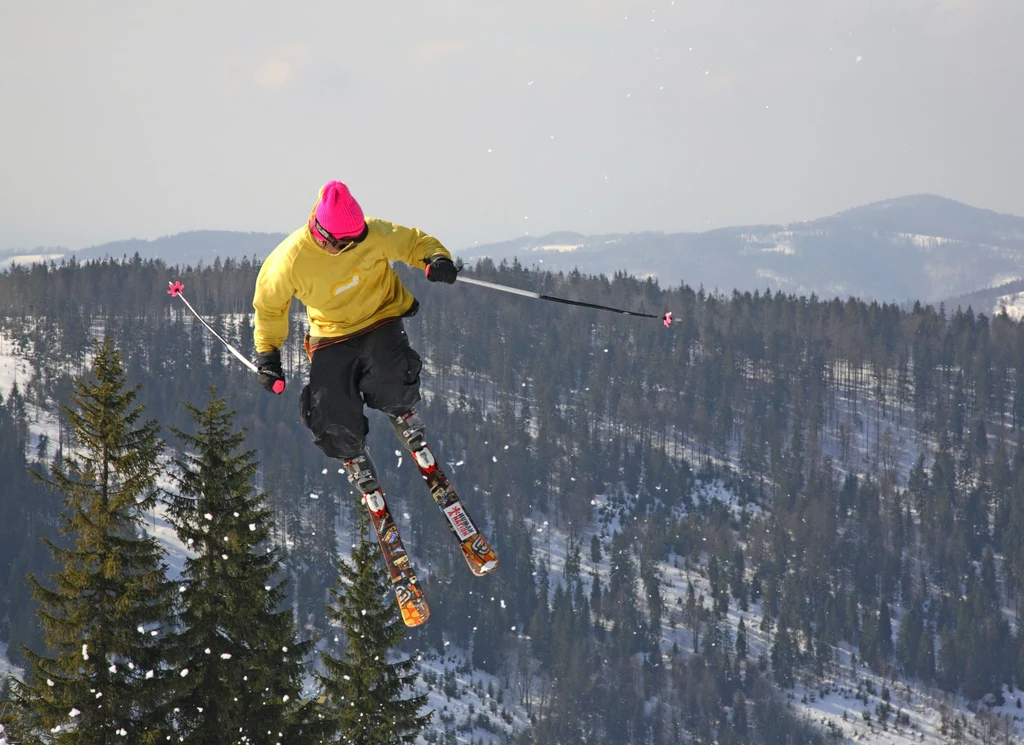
[(338, 265)]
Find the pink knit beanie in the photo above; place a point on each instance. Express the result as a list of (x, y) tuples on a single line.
[(338, 212)]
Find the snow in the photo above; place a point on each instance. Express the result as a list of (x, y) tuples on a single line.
[(839, 700), (925, 242), (6, 668), (458, 693), (779, 242), (998, 280), (28, 259), (13, 367), (175, 552), (558, 248), (866, 421), (1014, 304), (773, 276), (459, 696)]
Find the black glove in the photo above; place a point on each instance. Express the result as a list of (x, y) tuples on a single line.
[(268, 365), (442, 269)]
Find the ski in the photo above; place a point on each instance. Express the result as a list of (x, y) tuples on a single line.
[(475, 549), (410, 598)]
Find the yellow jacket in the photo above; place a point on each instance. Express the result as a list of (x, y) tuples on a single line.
[(343, 293)]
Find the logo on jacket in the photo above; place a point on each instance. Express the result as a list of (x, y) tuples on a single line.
[(340, 288)]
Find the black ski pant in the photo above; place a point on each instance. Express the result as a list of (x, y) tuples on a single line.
[(377, 369)]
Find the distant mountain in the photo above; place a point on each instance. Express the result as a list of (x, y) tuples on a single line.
[(183, 248), (919, 247), (993, 300), (190, 248), (930, 215)]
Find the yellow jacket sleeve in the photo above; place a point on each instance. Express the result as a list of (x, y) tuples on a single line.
[(271, 301), (411, 245)]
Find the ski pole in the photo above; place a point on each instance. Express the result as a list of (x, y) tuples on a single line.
[(665, 318), (175, 289)]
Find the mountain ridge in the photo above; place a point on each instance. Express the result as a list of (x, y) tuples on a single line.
[(917, 247)]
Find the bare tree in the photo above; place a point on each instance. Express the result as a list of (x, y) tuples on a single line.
[(520, 671)]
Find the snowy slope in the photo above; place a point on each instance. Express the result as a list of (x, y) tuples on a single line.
[(848, 699), (28, 259), (477, 708), (13, 366)]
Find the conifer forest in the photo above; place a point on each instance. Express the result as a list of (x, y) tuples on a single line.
[(697, 525)]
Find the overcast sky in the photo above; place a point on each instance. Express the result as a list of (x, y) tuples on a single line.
[(482, 120)]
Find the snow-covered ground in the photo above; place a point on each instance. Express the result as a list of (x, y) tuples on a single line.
[(467, 700), (847, 700), (28, 259), (926, 242), (780, 242), (1014, 304), (557, 248), (13, 367), (7, 670)]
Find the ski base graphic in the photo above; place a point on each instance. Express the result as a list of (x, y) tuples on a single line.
[(411, 601), (479, 555)]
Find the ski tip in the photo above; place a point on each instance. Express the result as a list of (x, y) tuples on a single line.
[(480, 557), (488, 567), (667, 319), (482, 568), (175, 288), (411, 602), (415, 613)]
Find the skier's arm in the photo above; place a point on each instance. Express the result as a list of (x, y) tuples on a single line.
[(411, 245), (271, 301)]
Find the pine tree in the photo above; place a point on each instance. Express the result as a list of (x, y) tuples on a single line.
[(237, 659), (621, 604), (784, 656), (909, 637), (884, 634), (741, 640), (28, 510), (104, 611), (364, 687)]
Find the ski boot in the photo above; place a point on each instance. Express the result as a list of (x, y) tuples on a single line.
[(410, 430), (412, 433), (362, 474)]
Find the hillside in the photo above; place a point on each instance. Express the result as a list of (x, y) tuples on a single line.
[(993, 300), (844, 478), (190, 248), (913, 248)]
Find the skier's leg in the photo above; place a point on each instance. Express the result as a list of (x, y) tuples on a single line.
[(392, 382), (331, 406)]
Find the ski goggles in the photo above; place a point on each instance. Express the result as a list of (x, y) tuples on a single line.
[(342, 244)]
